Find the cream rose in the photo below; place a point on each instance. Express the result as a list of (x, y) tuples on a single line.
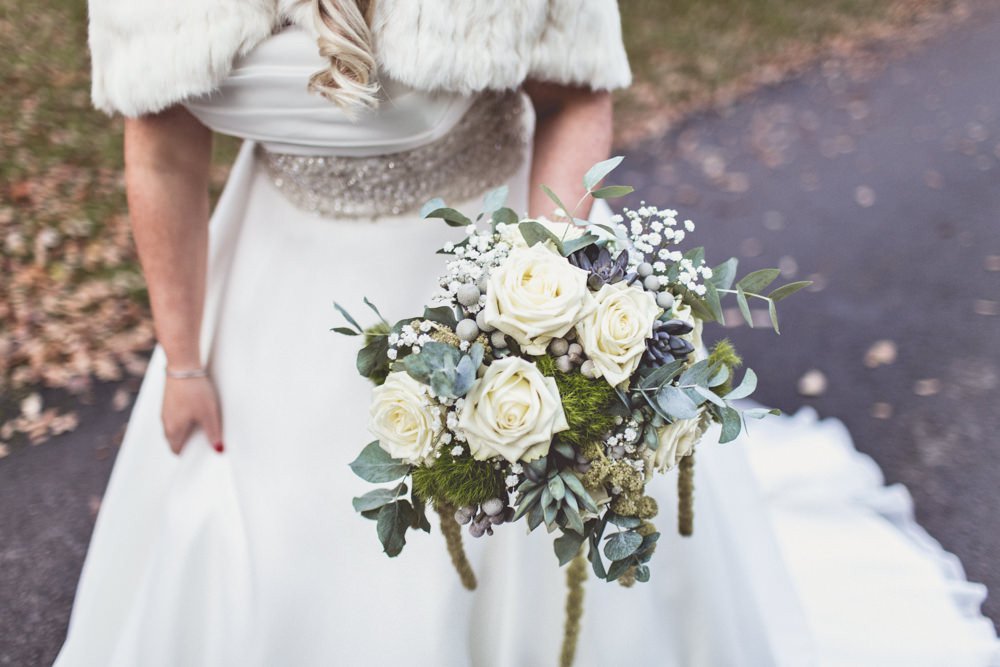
[(512, 411), (614, 334), (563, 230), (402, 419), (536, 295), (677, 440)]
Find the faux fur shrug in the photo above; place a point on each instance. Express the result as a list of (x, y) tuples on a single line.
[(149, 54)]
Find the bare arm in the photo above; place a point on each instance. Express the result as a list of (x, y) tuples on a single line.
[(167, 159), (572, 132)]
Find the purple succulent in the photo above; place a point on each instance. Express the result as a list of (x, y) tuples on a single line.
[(603, 270), (666, 344)]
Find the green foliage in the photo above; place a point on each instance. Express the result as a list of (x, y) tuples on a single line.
[(589, 404), (459, 481), (724, 353)]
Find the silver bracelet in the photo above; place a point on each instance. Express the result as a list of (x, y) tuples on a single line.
[(186, 374)]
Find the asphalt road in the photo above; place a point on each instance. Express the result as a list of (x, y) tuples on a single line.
[(881, 184)]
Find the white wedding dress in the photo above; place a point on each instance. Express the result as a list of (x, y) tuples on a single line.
[(255, 557)]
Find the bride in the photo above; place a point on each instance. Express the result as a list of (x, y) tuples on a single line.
[(227, 537)]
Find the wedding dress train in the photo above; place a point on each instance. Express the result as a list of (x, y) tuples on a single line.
[(256, 557)]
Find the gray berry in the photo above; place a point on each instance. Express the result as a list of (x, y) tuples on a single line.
[(588, 369), (558, 347), (481, 322), (468, 295), (496, 520), (564, 363), (467, 330), (644, 270), (665, 300), (617, 452), (493, 506), (463, 515), (477, 529), (497, 339), (652, 283), (576, 349)]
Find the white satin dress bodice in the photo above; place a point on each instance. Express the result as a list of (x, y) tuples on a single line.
[(265, 99), (256, 558)]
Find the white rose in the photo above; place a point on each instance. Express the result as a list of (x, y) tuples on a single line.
[(512, 411), (614, 334), (677, 440), (400, 417), (563, 230), (536, 295)]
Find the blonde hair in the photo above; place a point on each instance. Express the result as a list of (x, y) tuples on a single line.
[(345, 38)]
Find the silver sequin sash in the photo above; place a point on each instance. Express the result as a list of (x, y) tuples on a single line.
[(483, 150)]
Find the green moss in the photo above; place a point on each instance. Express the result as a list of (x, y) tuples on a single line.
[(724, 353), (458, 481), (588, 404)]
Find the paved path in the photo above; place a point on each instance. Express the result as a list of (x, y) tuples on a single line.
[(886, 187)]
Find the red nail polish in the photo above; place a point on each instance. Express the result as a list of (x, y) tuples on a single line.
[(219, 447)]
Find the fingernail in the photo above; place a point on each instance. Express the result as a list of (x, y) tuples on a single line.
[(219, 447)]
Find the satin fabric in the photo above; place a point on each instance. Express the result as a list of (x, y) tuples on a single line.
[(256, 557)]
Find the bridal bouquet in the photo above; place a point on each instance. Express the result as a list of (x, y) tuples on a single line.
[(559, 367)]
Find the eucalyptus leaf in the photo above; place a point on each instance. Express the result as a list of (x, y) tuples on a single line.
[(747, 386), (393, 520), (758, 281), (535, 232), (572, 245), (347, 331), (495, 199), (732, 424), (741, 301), (710, 396), (714, 303), (760, 413), (612, 191), (347, 316), (720, 377), (622, 545), (505, 215), (698, 373), (724, 274), (451, 216), (373, 308), (772, 311), (567, 546), (662, 375), (375, 465), (441, 315), (617, 569), (432, 205), (595, 561), (372, 357), (597, 173), (642, 574), (551, 195), (676, 403), (787, 290), (376, 498)]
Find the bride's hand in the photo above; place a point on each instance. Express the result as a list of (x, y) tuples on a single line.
[(187, 403)]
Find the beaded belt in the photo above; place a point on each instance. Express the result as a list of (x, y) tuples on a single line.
[(483, 149)]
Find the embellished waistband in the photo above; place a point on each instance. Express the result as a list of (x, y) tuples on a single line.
[(483, 149)]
